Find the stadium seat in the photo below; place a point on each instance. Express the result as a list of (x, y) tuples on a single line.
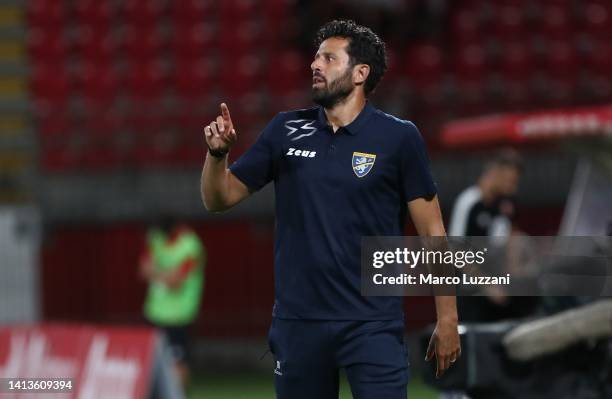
[(555, 23), (193, 12), (515, 95), (146, 79), (423, 65), (96, 43), (465, 27), (142, 43), (194, 78), (288, 72), (50, 84), (561, 61), (237, 40), (59, 156), (53, 122), (99, 83), (554, 92), (45, 13), (143, 13), (599, 60), (99, 151), (276, 10), (394, 65), (147, 129), (472, 97), (516, 61), (509, 22), (159, 148), (95, 13), (238, 10), (597, 19), (470, 63), (59, 150), (194, 41), (240, 74), (47, 44)]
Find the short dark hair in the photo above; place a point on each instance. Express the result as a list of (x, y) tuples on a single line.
[(365, 47), (507, 157)]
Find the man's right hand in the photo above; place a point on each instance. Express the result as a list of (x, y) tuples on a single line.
[(220, 134)]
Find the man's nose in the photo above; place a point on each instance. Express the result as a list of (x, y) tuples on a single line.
[(315, 66)]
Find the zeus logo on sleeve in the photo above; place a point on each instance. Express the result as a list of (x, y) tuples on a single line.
[(301, 153)]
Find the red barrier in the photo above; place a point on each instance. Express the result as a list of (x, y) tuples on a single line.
[(101, 361), (528, 127)]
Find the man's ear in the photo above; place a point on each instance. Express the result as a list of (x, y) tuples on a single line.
[(361, 73)]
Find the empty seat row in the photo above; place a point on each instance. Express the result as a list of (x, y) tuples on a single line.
[(46, 13)]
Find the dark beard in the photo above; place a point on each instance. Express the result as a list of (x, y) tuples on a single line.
[(338, 90)]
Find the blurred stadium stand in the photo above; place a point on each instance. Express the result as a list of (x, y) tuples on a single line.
[(141, 62), (103, 105)]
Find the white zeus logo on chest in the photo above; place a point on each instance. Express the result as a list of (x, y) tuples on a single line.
[(301, 153), (304, 126)]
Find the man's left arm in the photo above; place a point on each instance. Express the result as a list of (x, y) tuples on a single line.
[(444, 343)]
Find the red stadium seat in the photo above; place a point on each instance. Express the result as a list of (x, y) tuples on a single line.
[(597, 19), (59, 155), (423, 64), (50, 84), (99, 151), (561, 61), (240, 74), (466, 27), (100, 84), (193, 12), (470, 63), (194, 78), (239, 39), (393, 65), (95, 13), (45, 13), (515, 95), (599, 60), (194, 41), (516, 68), (190, 118), (53, 122), (556, 23), (58, 149), (154, 141), (289, 72), (516, 61), (554, 92), (47, 45), (143, 13), (275, 10), (96, 44), (472, 98), (509, 22), (146, 80), (143, 43), (238, 10)]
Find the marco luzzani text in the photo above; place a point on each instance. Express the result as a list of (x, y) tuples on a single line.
[(424, 258)]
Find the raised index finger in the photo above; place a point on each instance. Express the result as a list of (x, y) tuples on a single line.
[(225, 112)]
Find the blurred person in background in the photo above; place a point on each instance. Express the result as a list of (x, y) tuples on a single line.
[(173, 264), (342, 170), (489, 209)]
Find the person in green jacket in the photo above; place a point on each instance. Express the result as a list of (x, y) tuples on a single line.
[(173, 264)]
